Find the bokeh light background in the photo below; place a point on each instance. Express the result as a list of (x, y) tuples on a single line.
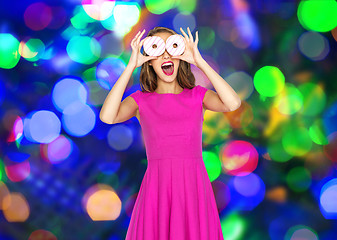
[(64, 174)]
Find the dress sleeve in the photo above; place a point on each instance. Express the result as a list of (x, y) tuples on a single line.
[(201, 91), (136, 96)]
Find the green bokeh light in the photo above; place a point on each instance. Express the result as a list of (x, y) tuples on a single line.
[(83, 49), (290, 100), (81, 19), (208, 37), (296, 141), (233, 227), (158, 6), (314, 98), (319, 16), (269, 81), (299, 179), (35, 49), (277, 152), (9, 51), (316, 132), (187, 6), (212, 164)]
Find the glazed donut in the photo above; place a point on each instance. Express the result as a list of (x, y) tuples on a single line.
[(175, 45), (154, 46)]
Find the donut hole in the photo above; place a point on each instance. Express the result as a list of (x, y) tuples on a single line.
[(175, 45), (154, 46)]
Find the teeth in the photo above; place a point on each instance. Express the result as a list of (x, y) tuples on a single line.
[(166, 64)]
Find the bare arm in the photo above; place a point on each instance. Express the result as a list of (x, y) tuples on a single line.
[(225, 99), (113, 110)]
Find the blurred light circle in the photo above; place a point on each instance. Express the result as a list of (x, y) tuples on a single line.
[(44, 126), (9, 51), (269, 81), (298, 179), (317, 132), (18, 128), (184, 21), (313, 45), (248, 185), (120, 137), (18, 172), (251, 187), (98, 9), (296, 141), (242, 83), (108, 71), (37, 16), (159, 7), (319, 16), (83, 49), (67, 91), (42, 234), (289, 100), (101, 202), (59, 149), (212, 164), (78, 119), (301, 232), (328, 199), (126, 15), (32, 50), (239, 158), (277, 152), (314, 98), (18, 209)]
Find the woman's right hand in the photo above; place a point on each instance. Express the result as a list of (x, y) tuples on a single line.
[(137, 58)]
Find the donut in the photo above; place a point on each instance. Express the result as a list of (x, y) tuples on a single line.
[(175, 45), (154, 46)]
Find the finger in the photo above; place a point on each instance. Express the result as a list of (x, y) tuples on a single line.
[(140, 36), (136, 36), (196, 37), (189, 33), (184, 33)]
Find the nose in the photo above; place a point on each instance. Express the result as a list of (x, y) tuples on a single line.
[(166, 54)]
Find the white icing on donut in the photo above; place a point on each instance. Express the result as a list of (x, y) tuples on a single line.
[(154, 46), (175, 45)]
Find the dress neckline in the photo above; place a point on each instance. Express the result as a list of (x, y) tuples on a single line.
[(169, 93)]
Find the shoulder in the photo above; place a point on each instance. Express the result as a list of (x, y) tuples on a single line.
[(136, 96), (200, 91)]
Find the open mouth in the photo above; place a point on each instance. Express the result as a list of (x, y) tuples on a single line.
[(168, 68)]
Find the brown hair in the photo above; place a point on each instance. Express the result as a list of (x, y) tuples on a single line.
[(148, 77)]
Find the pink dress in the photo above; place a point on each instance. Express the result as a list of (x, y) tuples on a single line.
[(176, 199)]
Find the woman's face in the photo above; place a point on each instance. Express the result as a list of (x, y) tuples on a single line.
[(165, 57)]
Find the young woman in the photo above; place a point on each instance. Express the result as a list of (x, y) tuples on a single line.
[(175, 200)]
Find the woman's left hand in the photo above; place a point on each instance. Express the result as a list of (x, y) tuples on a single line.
[(191, 53)]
